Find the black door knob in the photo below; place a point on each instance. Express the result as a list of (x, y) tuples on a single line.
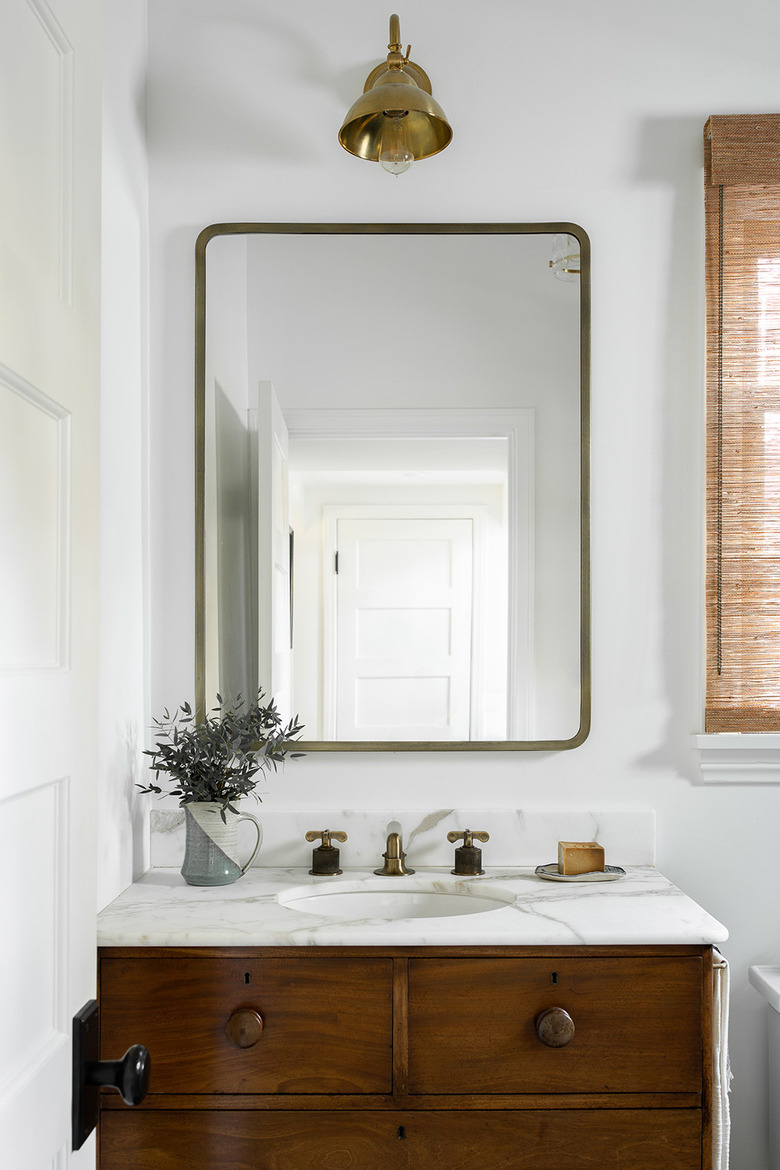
[(130, 1075)]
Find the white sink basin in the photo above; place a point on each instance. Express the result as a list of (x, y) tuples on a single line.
[(395, 898)]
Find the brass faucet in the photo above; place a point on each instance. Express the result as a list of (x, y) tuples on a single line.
[(468, 858), (394, 854), (325, 858)]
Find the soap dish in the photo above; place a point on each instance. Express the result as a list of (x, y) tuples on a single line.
[(610, 873)]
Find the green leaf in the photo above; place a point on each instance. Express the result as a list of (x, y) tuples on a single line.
[(219, 757)]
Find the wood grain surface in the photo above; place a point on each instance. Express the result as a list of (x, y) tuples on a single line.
[(637, 1025), (327, 1024), (415, 1058), (542, 1140)]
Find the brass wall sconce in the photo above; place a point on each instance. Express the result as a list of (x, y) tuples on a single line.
[(396, 120)]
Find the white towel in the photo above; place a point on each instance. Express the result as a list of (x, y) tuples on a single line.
[(721, 1073)]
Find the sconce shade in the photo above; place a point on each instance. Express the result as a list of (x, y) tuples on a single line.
[(427, 129), (395, 89)]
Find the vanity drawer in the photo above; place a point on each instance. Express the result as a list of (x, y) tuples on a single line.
[(609, 1139), (326, 1022), (638, 1025)]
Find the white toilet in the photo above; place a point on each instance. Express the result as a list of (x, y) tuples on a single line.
[(767, 981)]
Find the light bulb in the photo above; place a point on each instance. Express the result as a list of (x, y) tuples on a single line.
[(394, 153)]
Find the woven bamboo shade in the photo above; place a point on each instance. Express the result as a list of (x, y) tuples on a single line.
[(742, 208)]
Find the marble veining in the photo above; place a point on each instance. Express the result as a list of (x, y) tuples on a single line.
[(159, 909), (526, 837)]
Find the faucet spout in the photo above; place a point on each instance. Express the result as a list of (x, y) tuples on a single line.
[(394, 854)]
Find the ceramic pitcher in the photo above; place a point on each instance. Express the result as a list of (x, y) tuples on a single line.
[(211, 851)]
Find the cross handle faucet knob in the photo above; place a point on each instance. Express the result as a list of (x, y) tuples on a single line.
[(325, 861), (468, 836), (468, 856), (326, 835)]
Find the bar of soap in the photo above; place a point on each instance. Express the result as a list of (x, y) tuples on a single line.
[(580, 857)]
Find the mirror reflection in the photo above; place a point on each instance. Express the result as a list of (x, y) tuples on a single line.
[(392, 480)]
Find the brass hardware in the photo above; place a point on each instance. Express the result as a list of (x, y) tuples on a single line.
[(568, 271), (396, 93), (554, 1027), (244, 1028), (468, 858), (326, 835), (394, 858), (325, 858)]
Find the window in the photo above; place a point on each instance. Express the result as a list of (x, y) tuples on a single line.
[(742, 209)]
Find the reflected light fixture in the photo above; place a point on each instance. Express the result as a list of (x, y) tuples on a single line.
[(396, 120), (565, 262)]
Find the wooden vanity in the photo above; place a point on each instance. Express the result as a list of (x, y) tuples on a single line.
[(426, 1057)]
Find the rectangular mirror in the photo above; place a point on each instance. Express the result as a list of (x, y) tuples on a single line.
[(392, 481)]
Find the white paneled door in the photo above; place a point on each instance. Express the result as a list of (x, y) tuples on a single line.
[(49, 363), (404, 628)]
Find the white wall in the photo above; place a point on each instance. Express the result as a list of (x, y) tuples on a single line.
[(561, 110), (123, 703)]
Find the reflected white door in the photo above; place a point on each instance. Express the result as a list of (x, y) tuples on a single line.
[(49, 380), (274, 649), (404, 629)]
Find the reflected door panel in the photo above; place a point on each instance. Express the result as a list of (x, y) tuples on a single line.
[(403, 629)]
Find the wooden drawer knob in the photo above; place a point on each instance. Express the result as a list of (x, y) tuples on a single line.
[(244, 1028), (554, 1027)]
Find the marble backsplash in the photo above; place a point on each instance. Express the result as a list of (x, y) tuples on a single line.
[(518, 837)]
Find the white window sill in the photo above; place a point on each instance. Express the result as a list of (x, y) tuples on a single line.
[(731, 757)]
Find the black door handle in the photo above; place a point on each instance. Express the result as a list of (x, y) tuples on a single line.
[(129, 1076)]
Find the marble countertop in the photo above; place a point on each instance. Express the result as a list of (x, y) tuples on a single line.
[(643, 907)]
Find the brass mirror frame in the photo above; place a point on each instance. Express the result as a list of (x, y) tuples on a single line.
[(235, 229)]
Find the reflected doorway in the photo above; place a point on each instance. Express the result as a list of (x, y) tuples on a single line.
[(409, 639)]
